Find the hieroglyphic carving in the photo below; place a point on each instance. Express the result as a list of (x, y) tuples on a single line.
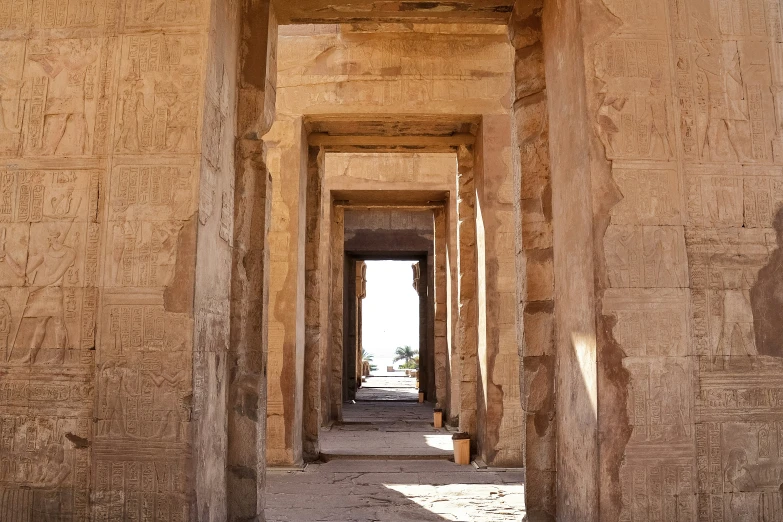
[(724, 264), (53, 14), (161, 13), (740, 470), (142, 254), (134, 482), (634, 120), (144, 396), (54, 312), (37, 459), (152, 192), (67, 84), (45, 195), (157, 109), (714, 195), (727, 88), (762, 197), (650, 196), (650, 323), (137, 322), (645, 256), (12, 102), (13, 14), (659, 402), (658, 491)]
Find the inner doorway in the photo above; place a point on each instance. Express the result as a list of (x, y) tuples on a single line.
[(388, 326)]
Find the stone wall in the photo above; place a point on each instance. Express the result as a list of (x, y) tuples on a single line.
[(117, 167), (684, 108)]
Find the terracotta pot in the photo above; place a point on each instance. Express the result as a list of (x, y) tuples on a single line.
[(461, 449), (437, 419), (421, 397)]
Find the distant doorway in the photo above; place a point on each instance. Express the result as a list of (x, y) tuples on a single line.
[(390, 332)]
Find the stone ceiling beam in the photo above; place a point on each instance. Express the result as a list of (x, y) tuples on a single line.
[(349, 11), (390, 143)]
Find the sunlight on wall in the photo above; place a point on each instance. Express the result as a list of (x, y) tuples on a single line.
[(584, 350), (390, 312)]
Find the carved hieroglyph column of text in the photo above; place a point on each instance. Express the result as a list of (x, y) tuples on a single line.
[(311, 410), (467, 318)]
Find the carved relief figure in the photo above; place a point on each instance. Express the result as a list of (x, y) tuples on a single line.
[(12, 99), (609, 115), (44, 273), (659, 125), (52, 470), (736, 339), (65, 128), (166, 397), (133, 116), (116, 388), (623, 258), (743, 502), (727, 110), (672, 397), (766, 299)]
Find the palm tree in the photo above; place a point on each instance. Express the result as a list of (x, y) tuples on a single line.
[(405, 353), (366, 356)]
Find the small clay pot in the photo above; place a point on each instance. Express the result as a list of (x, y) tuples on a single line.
[(437, 418)]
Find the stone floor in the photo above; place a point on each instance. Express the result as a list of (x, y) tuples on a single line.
[(391, 491), (388, 388), (386, 462), (386, 428)]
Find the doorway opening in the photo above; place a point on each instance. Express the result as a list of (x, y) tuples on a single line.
[(388, 325)]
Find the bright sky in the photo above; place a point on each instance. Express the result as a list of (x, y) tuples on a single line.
[(390, 312)]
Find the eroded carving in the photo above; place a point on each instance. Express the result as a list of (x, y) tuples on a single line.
[(158, 94), (766, 299), (639, 257)]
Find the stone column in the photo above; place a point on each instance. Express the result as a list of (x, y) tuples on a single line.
[(349, 330), (467, 314), (336, 287), (501, 422), (314, 328), (575, 322), (534, 268), (246, 460), (440, 298), (287, 163)]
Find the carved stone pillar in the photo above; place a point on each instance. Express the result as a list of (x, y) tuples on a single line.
[(336, 287), (314, 322), (441, 347), (246, 461), (467, 285)]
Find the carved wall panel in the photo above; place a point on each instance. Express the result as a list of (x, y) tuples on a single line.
[(158, 105), (651, 196), (645, 257)]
